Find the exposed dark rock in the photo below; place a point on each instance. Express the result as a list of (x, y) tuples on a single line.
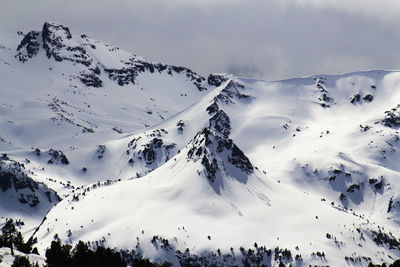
[(379, 185), (134, 67), (58, 44), (90, 79), (325, 105), (356, 98), (392, 118), (326, 99), (29, 46), (364, 128), (372, 181), (368, 98), (390, 204), (57, 156), (376, 183), (212, 108), (133, 143), (353, 188), (151, 151), (337, 172), (210, 166), (100, 151), (117, 129), (230, 92), (212, 144), (221, 123), (180, 125), (54, 36), (122, 76), (382, 238), (216, 79), (27, 190), (240, 160)]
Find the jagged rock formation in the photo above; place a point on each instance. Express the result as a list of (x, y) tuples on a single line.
[(217, 79), (212, 145), (14, 181), (29, 46), (325, 98), (59, 44), (392, 117), (148, 151)]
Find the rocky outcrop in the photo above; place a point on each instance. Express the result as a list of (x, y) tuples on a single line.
[(217, 79), (29, 46), (58, 44), (392, 118), (325, 98), (215, 150), (134, 67), (232, 91), (149, 150), (26, 190)]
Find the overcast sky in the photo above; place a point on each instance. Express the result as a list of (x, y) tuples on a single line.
[(270, 39)]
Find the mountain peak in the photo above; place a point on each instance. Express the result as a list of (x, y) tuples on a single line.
[(58, 43), (56, 29), (217, 151), (120, 66)]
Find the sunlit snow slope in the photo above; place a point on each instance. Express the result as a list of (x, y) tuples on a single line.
[(156, 159)]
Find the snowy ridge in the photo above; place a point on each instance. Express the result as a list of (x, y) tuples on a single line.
[(91, 87), (155, 159)]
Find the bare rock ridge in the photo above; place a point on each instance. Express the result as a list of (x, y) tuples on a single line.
[(212, 145), (21, 188), (59, 44)]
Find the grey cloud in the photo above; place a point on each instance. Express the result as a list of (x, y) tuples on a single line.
[(245, 70)]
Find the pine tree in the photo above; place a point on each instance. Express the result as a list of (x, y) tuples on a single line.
[(58, 255), (21, 261), (10, 235), (82, 255)]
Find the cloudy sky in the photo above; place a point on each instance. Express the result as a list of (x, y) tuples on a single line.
[(270, 39)]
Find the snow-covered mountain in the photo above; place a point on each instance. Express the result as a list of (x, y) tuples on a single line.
[(64, 97), (156, 159)]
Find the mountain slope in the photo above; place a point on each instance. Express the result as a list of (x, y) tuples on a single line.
[(64, 97), (222, 200), (161, 162), (79, 87)]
